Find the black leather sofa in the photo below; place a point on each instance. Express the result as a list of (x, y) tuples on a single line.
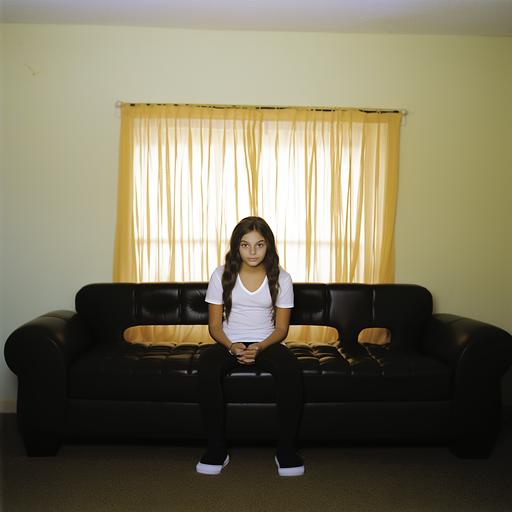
[(437, 381)]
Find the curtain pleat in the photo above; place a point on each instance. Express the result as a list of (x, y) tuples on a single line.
[(325, 181)]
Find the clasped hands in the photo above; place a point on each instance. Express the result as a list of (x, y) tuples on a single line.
[(245, 354)]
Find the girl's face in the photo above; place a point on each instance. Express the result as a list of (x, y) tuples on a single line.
[(253, 248)]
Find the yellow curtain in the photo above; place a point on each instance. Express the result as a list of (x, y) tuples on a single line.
[(325, 181)]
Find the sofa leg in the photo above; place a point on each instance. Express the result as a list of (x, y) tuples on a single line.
[(38, 445)]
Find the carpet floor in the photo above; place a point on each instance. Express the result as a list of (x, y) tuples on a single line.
[(153, 478)]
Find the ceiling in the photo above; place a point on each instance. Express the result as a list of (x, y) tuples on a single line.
[(457, 17)]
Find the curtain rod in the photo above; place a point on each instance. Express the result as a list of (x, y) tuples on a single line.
[(402, 111)]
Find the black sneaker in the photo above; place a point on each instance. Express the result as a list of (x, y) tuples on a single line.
[(212, 463), (289, 463)]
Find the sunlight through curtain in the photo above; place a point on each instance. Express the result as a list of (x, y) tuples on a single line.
[(325, 181)]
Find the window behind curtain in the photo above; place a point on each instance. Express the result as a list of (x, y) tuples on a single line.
[(325, 181)]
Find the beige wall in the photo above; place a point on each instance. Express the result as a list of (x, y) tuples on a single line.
[(60, 139)]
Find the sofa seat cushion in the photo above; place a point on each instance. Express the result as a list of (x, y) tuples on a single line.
[(168, 373), (372, 373)]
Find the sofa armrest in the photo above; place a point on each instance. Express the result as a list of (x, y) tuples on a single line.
[(479, 354), (46, 344), (469, 345), (39, 353)]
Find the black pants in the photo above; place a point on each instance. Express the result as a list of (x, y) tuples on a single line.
[(277, 359)]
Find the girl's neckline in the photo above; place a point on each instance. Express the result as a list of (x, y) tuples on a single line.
[(248, 291)]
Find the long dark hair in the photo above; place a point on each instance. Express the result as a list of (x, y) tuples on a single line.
[(234, 261)]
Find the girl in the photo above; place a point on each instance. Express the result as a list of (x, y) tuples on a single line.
[(249, 306)]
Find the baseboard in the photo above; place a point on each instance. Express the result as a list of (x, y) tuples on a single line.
[(7, 406)]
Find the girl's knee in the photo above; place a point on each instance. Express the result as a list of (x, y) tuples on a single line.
[(213, 361)]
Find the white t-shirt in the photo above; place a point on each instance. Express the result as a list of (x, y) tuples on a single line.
[(250, 319)]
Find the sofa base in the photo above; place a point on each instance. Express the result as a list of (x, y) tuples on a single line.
[(358, 422), (349, 421)]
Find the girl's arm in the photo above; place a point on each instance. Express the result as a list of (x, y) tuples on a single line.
[(216, 330)]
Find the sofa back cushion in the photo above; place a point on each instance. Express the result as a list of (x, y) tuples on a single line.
[(109, 309), (310, 301), (404, 310)]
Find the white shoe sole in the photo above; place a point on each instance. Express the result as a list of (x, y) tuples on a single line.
[(211, 469), (296, 471)]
